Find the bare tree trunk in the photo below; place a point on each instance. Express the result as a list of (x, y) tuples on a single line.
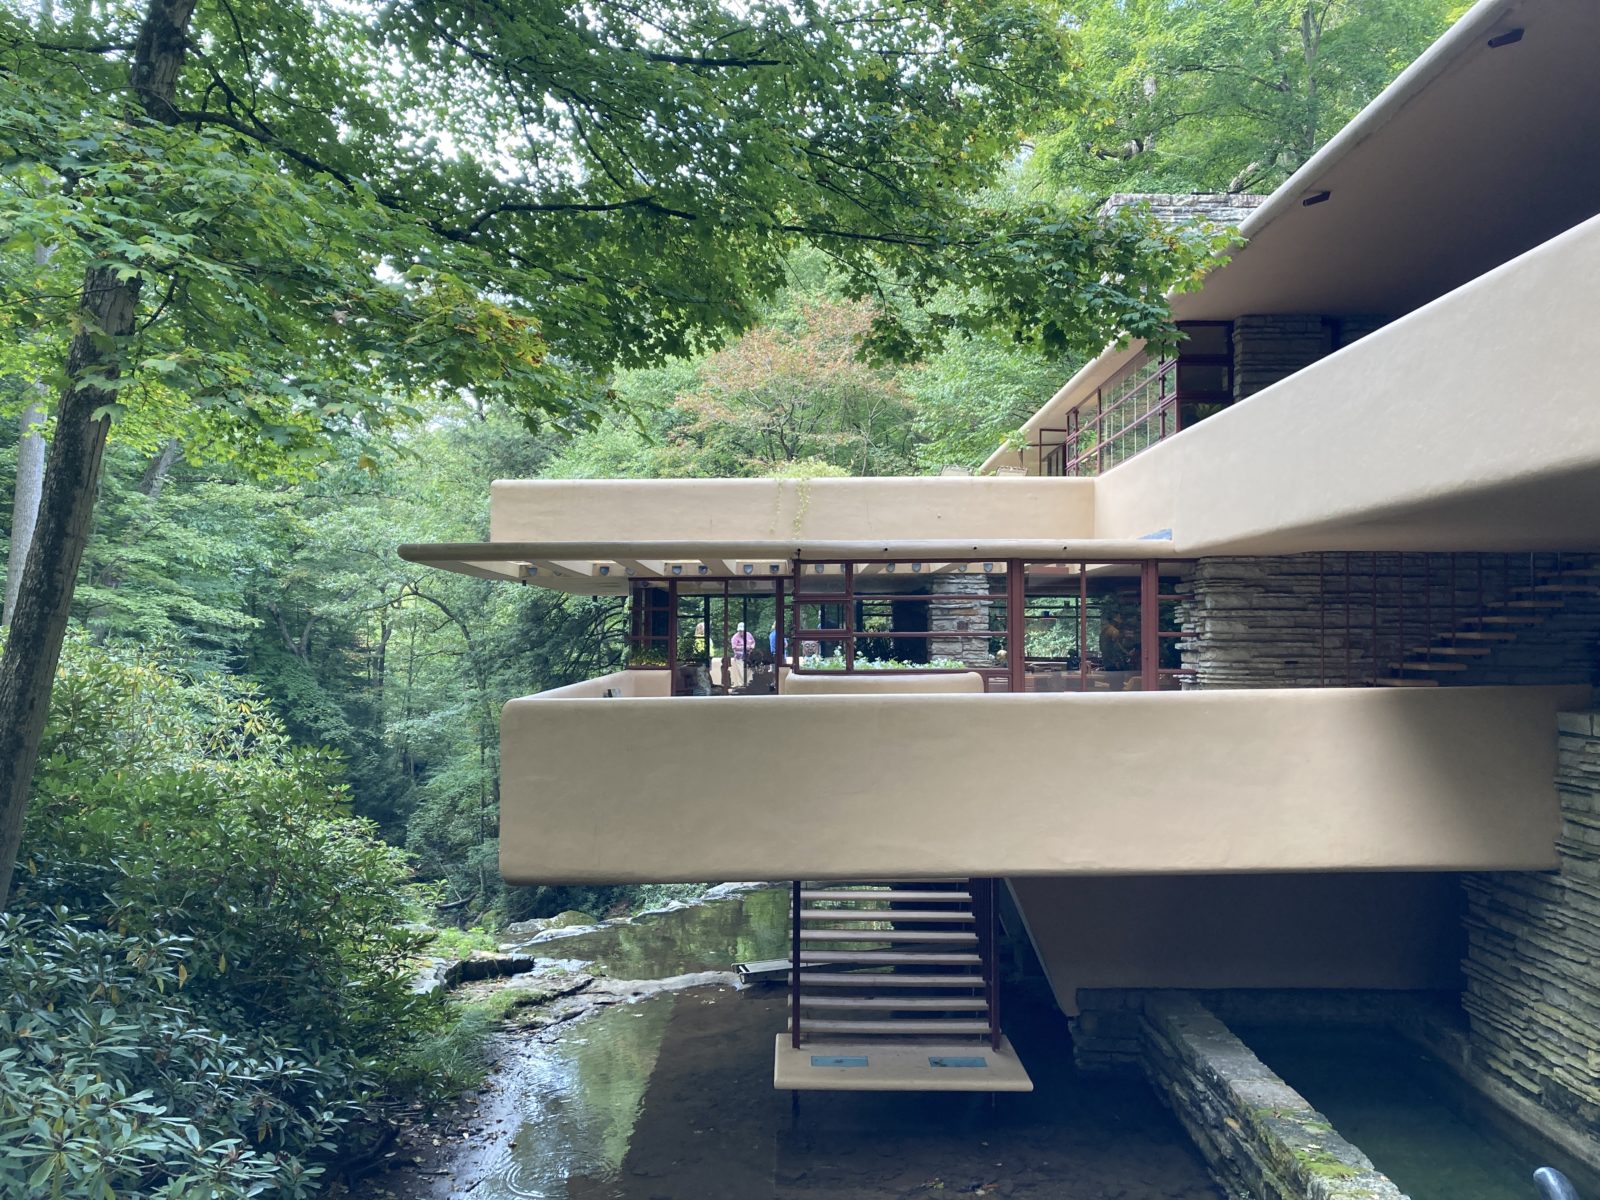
[(1311, 27), (24, 505), (107, 308), (30, 468), (155, 475)]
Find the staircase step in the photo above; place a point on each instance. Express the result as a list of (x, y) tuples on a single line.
[(1545, 605), (932, 958), (1465, 651), (1480, 635), (1560, 589), (961, 936), (881, 914), (910, 1026), (879, 979), (1504, 620), (1427, 666), (884, 895), (943, 879), (929, 881), (897, 1003)]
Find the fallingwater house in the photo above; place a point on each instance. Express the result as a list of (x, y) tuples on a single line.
[(1263, 669)]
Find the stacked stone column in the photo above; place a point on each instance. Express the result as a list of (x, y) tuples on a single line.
[(961, 622)]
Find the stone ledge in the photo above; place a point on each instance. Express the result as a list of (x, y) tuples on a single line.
[(1259, 1136)]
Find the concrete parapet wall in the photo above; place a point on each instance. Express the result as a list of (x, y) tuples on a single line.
[(868, 683), (982, 509), (618, 684), (1382, 443), (1162, 782)]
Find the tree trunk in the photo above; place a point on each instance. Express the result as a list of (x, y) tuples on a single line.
[(1310, 45), (107, 308), (155, 475), (24, 505), (30, 468)]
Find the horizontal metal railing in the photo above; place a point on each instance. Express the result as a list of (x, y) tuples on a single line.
[(1132, 411)]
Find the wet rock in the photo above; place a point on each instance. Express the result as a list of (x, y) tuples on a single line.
[(484, 964), (570, 919), (723, 890), (541, 987), (431, 978)]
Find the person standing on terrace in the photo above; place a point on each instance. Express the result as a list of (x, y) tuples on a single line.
[(742, 642)]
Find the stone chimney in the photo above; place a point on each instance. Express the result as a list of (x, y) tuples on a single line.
[(1206, 208)]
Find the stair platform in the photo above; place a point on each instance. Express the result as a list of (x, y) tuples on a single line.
[(875, 1066)]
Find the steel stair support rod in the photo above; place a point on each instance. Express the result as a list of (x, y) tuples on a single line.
[(794, 967)]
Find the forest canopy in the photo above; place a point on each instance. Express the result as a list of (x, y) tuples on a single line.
[(285, 284)]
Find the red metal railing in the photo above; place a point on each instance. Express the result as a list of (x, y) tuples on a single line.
[(984, 642), (1132, 411), (1151, 398)]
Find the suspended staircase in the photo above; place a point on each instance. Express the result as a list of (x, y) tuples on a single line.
[(1473, 640), (893, 987)]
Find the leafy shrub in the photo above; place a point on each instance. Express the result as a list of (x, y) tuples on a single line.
[(461, 943), (202, 938), (114, 1083)]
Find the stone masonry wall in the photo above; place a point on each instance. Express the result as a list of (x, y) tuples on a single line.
[(1272, 346), (1307, 620), (1215, 208), (1532, 966), (1533, 958), (963, 619), (1260, 1137)]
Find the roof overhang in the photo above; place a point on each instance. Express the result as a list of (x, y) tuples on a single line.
[(1477, 152), (608, 568)]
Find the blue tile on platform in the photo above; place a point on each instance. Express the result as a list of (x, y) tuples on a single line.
[(945, 1060), (838, 1060)]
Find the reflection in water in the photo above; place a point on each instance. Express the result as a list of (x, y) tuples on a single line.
[(704, 937), (576, 1101), (571, 1104), (671, 1098), (1415, 1120)]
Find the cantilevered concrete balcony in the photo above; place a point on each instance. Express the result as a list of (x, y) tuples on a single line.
[(607, 783), (592, 536), (1469, 424)]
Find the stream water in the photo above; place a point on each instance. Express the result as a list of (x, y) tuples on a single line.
[(1418, 1123), (668, 1096)]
